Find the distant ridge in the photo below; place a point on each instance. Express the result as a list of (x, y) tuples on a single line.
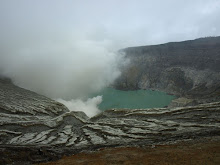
[(187, 68), (199, 40)]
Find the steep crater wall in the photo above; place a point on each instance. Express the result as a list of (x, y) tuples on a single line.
[(188, 69)]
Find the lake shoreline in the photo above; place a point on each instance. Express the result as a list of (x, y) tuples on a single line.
[(132, 99)]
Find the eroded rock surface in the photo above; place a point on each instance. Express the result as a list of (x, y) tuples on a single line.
[(188, 69), (35, 129)]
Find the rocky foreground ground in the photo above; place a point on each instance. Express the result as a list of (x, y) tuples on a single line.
[(204, 151), (36, 129)]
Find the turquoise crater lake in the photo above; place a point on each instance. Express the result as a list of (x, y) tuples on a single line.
[(138, 99)]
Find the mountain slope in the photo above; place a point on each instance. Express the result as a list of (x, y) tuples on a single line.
[(35, 129), (189, 68)]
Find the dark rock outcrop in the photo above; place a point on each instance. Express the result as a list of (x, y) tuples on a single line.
[(188, 69), (36, 129)]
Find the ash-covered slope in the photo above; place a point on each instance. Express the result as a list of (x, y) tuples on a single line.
[(18, 101), (190, 68), (34, 128)]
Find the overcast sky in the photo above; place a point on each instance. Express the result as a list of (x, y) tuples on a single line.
[(67, 49), (121, 23)]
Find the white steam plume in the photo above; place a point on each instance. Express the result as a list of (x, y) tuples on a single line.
[(89, 106), (50, 47), (68, 67)]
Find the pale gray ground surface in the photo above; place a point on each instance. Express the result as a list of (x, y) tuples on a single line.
[(34, 128)]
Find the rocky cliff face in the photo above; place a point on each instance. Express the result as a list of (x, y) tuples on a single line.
[(189, 69), (34, 128)]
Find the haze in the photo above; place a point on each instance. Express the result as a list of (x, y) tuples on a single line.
[(68, 49)]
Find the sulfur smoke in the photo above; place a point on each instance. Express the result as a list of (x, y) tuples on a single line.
[(45, 49), (63, 67), (66, 49)]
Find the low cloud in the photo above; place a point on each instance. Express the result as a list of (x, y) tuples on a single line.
[(66, 67), (68, 50)]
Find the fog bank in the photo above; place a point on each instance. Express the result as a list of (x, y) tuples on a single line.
[(67, 49), (66, 67)]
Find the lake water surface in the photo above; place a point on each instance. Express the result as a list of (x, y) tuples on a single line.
[(113, 98)]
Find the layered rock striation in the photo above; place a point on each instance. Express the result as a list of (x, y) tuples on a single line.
[(188, 69), (35, 129)]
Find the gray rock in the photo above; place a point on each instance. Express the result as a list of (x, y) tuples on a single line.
[(182, 102), (188, 69), (38, 129), (34, 128)]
